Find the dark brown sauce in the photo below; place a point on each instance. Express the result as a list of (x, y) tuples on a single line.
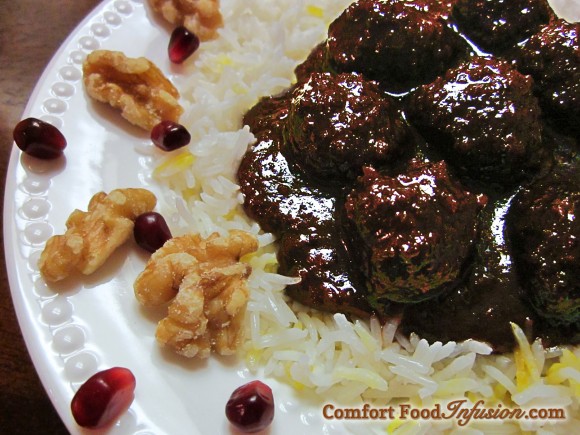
[(466, 275)]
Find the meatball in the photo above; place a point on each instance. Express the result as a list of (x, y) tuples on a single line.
[(317, 61), (330, 279), (419, 229), (338, 123), (498, 25), (267, 117), (483, 117), (274, 196), (552, 58), (491, 297), (545, 234), (393, 42)]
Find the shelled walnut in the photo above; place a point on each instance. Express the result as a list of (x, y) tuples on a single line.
[(204, 282), (202, 17), (92, 236), (136, 86)]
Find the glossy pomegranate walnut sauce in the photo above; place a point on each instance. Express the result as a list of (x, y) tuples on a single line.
[(410, 173)]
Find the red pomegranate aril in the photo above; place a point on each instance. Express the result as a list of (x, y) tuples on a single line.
[(39, 139), (251, 407), (151, 231), (102, 399), (169, 135), (182, 44)]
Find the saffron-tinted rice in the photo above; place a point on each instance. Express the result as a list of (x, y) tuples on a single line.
[(328, 356)]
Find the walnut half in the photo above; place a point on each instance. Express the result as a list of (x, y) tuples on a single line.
[(92, 236), (134, 85), (202, 17), (205, 283)]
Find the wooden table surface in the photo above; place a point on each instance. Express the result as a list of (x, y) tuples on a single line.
[(30, 33)]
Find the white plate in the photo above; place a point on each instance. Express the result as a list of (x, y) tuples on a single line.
[(96, 323)]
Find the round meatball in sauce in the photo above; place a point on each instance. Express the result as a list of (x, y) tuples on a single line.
[(338, 123), (274, 195), (552, 58), (330, 276), (393, 42), (545, 230), (498, 25), (491, 298), (419, 229), (484, 119), (316, 61)]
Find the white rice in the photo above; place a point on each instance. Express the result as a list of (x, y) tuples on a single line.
[(337, 360)]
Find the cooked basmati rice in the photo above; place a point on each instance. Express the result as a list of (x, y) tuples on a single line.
[(338, 360)]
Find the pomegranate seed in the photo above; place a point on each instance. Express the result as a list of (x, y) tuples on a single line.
[(169, 135), (251, 407), (39, 139), (151, 231), (182, 44), (103, 397)]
